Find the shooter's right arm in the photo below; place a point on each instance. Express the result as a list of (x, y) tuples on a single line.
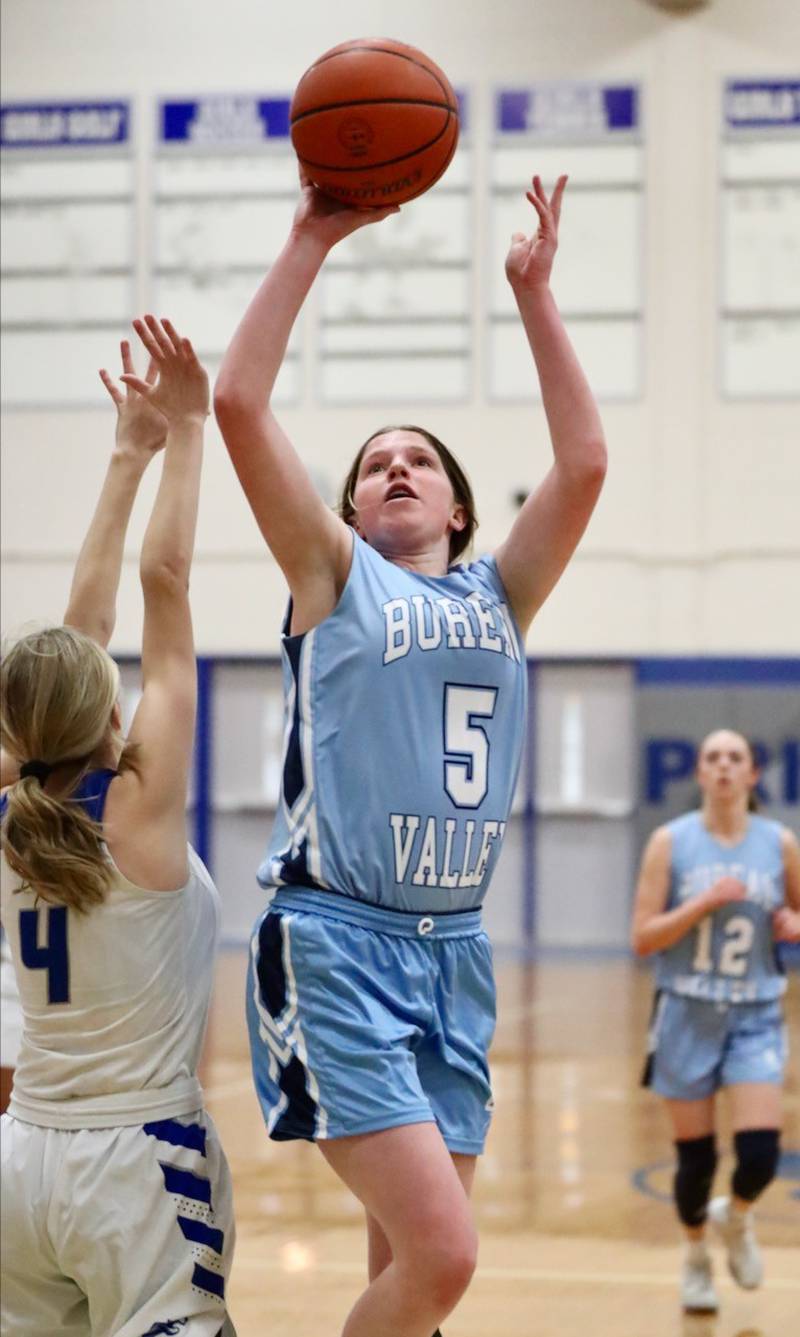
[(311, 544)]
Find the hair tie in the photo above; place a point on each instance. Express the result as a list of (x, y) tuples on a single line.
[(40, 770)]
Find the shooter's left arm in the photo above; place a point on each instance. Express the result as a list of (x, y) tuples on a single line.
[(552, 520)]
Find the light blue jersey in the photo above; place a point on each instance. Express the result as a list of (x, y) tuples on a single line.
[(405, 715), (730, 955)]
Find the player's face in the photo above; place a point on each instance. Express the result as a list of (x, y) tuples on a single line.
[(725, 767), (403, 496)]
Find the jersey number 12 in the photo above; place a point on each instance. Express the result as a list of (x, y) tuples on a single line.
[(739, 933)]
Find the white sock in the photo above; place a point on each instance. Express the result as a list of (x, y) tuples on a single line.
[(697, 1252)]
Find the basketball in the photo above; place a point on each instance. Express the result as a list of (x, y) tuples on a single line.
[(374, 122)]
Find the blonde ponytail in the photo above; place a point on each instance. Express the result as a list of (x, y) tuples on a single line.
[(58, 689)]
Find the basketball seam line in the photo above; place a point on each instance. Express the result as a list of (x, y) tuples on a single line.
[(375, 102), (387, 162), (436, 178), (437, 76)]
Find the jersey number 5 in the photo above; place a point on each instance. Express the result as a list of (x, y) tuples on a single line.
[(466, 744), (53, 957)]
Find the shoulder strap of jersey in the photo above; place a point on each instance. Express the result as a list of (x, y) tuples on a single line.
[(92, 792)]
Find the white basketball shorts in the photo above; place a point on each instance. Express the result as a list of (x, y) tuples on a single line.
[(126, 1232)]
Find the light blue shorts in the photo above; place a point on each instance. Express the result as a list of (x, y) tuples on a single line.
[(698, 1047), (363, 1019)]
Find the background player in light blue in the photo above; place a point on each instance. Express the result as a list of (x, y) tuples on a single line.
[(371, 999), (718, 888)]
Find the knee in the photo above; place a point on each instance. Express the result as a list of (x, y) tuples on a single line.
[(697, 1162), (445, 1267), (757, 1154), (456, 1267)]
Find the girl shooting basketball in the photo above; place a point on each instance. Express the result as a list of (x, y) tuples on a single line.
[(116, 1196), (371, 998)]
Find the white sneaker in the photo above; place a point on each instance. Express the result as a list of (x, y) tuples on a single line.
[(736, 1231), (697, 1284)]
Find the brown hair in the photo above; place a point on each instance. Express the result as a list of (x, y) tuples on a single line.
[(58, 689), (753, 804), (462, 490)]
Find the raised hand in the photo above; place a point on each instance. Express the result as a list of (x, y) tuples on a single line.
[(328, 219), (726, 890), (141, 429), (181, 388), (530, 259)]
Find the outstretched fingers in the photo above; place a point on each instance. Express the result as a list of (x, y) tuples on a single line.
[(136, 383), (188, 352), (153, 336), (540, 206), (548, 210), (173, 336), (546, 231), (128, 368), (557, 196), (113, 389), (148, 339), (126, 357)]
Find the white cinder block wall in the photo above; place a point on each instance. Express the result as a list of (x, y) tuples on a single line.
[(695, 545)]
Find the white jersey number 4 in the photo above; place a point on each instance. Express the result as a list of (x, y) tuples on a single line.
[(52, 955)]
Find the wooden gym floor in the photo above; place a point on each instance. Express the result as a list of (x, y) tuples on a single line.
[(572, 1197)]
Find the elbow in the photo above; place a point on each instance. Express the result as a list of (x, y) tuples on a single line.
[(225, 398), (227, 405), (638, 944), (585, 471), (234, 408), (103, 630), (99, 625), (165, 579), (602, 457), (595, 465)]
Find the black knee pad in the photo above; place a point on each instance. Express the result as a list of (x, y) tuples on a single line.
[(697, 1161), (758, 1151)]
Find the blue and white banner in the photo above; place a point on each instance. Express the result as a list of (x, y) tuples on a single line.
[(577, 111), (221, 120), (762, 104), (46, 125)]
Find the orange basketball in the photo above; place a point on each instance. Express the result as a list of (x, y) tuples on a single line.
[(374, 122)]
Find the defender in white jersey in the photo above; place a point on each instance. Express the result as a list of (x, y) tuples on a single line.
[(10, 1010), (718, 889), (371, 998), (10, 1022), (116, 1203)]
